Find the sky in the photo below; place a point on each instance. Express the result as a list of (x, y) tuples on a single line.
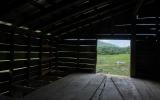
[(120, 43)]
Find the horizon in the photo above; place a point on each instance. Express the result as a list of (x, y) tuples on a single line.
[(119, 43)]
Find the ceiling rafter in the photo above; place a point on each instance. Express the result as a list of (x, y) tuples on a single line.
[(95, 15), (76, 13), (50, 11), (98, 19)]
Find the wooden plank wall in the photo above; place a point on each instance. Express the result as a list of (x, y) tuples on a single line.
[(147, 47), (77, 55), (147, 58), (147, 41), (24, 55)]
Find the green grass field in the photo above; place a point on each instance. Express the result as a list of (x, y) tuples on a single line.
[(107, 64)]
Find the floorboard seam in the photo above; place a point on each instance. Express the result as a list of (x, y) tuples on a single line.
[(137, 89), (97, 88), (99, 97), (118, 89)]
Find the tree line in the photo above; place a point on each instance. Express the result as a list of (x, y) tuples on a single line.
[(112, 49)]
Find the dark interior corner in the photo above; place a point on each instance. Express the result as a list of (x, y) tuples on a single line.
[(51, 45)]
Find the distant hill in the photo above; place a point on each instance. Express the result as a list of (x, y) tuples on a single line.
[(108, 48), (102, 44)]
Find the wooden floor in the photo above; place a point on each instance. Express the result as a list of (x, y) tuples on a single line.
[(97, 87)]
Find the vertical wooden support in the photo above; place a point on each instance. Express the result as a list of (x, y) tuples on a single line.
[(40, 54), (133, 39), (133, 48), (77, 51), (53, 56), (96, 56), (56, 55), (11, 56), (50, 54), (157, 45), (28, 54)]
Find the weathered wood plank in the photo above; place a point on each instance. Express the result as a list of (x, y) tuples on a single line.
[(48, 92), (154, 88), (143, 90), (126, 89), (100, 90), (90, 89), (110, 91), (97, 87), (73, 88)]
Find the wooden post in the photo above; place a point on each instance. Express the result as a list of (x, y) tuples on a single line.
[(133, 39), (157, 54), (56, 54), (133, 48), (77, 51), (50, 54), (28, 54), (11, 56), (96, 56), (40, 54)]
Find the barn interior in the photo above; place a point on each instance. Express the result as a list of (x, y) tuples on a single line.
[(48, 49)]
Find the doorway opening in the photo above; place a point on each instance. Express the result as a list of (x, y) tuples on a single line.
[(113, 57)]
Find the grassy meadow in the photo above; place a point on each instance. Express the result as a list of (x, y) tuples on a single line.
[(107, 64)]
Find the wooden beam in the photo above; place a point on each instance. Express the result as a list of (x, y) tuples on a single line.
[(138, 6), (36, 17), (75, 12), (86, 21), (94, 14)]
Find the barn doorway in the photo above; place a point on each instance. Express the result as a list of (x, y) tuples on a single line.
[(113, 57)]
